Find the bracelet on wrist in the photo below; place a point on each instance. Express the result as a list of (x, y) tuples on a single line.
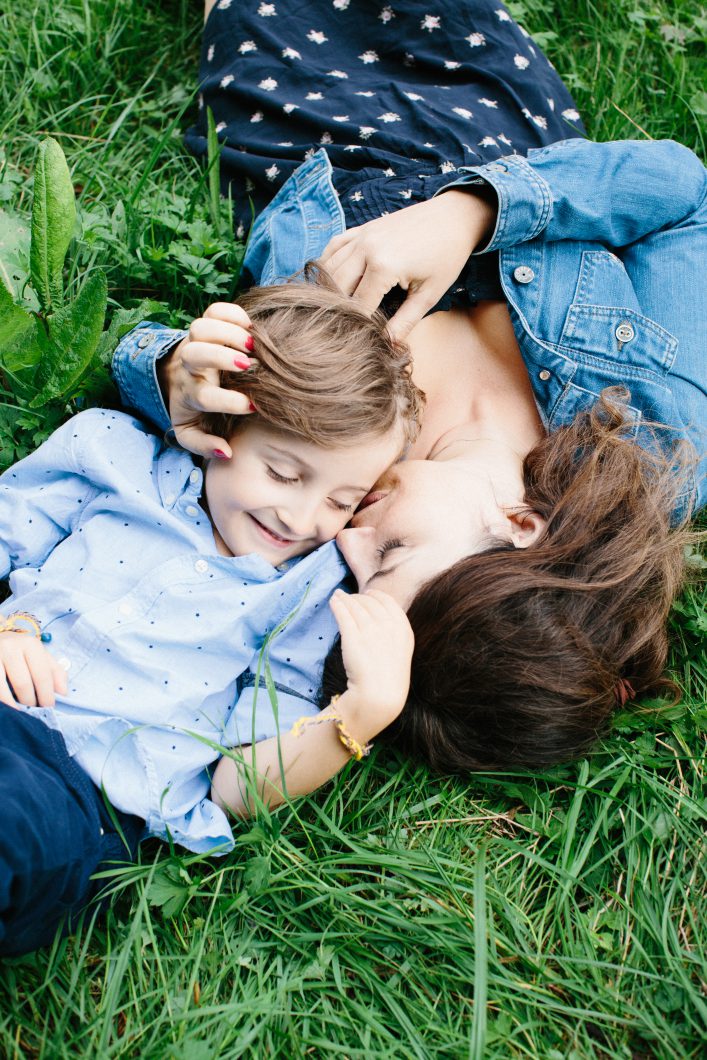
[(355, 749), (23, 622)]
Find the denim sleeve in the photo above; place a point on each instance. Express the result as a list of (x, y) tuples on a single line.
[(135, 369), (612, 193)]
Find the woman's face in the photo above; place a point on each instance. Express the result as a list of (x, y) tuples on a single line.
[(422, 516)]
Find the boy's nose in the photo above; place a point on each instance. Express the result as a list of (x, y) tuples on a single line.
[(356, 544), (301, 522)]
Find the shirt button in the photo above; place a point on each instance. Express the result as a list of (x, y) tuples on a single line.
[(125, 609), (64, 663), (523, 274), (101, 831), (194, 476), (170, 499), (496, 168), (144, 341), (191, 510), (544, 375), (201, 566), (625, 332)]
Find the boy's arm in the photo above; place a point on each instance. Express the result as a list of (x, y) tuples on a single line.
[(42, 496), (377, 644)]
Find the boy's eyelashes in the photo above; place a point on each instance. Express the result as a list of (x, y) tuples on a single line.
[(273, 474), (278, 477)]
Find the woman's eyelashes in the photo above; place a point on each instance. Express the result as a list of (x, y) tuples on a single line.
[(388, 546)]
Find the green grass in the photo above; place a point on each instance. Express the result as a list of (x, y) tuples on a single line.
[(394, 914)]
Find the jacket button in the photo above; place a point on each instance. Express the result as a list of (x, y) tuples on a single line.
[(625, 332), (201, 566), (523, 274), (144, 341), (544, 375)]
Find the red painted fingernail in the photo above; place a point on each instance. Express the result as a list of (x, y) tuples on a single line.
[(220, 454), (251, 407), (241, 362), (250, 344)]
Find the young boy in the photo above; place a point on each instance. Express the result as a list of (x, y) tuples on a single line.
[(143, 591)]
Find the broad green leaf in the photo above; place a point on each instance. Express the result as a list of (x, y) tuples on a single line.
[(167, 893), (14, 250), (53, 220), (256, 875), (19, 335), (70, 347), (123, 321)]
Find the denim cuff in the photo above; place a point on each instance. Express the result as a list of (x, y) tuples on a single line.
[(135, 369), (524, 199)]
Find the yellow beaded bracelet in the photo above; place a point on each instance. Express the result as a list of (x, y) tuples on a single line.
[(13, 624), (357, 750)]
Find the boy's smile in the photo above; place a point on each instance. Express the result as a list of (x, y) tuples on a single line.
[(280, 496)]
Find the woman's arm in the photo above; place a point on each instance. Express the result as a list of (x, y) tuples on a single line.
[(614, 193), (377, 644)]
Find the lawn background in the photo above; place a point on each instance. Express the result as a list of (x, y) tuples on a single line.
[(393, 914)]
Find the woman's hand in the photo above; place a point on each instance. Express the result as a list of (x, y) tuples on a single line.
[(422, 248), (377, 644), (217, 342), (29, 674)]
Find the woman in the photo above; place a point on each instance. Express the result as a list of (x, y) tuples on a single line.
[(551, 523)]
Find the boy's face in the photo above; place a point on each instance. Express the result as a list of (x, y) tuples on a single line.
[(280, 497)]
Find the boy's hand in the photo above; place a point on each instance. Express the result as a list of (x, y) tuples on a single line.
[(217, 342), (377, 644), (29, 674)]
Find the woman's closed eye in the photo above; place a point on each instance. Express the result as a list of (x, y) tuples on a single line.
[(388, 546)]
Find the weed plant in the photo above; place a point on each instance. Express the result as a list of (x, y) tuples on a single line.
[(557, 916)]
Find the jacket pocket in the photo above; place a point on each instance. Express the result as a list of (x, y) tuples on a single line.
[(605, 322)]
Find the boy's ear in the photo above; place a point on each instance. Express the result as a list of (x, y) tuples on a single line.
[(526, 527)]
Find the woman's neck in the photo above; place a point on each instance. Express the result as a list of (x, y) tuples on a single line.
[(475, 381)]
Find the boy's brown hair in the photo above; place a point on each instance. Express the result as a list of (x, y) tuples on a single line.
[(324, 369)]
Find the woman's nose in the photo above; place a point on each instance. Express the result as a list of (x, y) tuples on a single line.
[(356, 544)]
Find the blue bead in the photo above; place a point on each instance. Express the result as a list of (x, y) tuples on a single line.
[(45, 638)]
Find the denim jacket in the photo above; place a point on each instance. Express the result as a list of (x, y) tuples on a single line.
[(602, 257)]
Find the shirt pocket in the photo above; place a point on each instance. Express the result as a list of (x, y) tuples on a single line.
[(604, 323)]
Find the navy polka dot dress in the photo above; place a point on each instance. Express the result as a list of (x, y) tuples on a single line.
[(400, 94)]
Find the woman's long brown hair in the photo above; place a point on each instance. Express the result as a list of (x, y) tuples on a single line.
[(522, 654)]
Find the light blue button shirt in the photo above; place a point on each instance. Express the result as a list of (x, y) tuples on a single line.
[(161, 636), (602, 256)]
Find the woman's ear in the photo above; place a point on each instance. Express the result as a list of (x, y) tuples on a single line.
[(526, 527)]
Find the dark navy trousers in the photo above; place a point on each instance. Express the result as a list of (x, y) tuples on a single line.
[(55, 832)]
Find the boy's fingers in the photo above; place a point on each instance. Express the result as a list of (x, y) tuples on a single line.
[(345, 619), (20, 679), (6, 695), (43, 679), (229, 311)]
